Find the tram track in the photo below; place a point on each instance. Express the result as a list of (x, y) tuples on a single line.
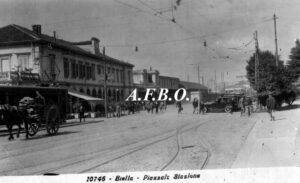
[(177, 133), (173, 133), (207, 151), (134, 147)]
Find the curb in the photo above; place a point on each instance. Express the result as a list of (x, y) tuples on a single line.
[(64, 125)]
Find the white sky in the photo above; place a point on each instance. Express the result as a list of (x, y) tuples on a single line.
[(121, 24)]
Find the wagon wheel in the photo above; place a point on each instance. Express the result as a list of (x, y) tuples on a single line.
[(52, 120), (33, 128), (228, 109)]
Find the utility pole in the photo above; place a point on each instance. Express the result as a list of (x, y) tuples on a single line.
[(223, 82), (276, 45), (215, 82), (256, 75), (105, 83), (199, 87)]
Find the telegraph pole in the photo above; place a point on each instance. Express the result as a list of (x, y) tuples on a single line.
[(256, 77), (215, 82), (105, 83), (199, 87), (276, 45)]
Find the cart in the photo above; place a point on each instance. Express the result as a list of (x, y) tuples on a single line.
[(49, 115)]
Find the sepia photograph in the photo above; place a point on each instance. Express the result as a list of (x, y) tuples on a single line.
[(103, 86)]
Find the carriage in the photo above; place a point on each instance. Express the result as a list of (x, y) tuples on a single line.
[(48, 114)]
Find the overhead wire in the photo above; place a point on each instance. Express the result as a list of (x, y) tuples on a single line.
[(186, 38), (178, 25)]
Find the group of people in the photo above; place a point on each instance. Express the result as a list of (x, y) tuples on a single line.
[(118, 109), (246, 105), (157, 106), (199, 107)]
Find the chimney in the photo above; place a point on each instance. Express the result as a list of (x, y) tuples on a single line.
[(95, 46), (37, 29)]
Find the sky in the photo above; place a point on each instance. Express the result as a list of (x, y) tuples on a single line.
[(175, 48)]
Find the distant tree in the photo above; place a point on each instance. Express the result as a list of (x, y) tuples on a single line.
[(270, 78), (293, 64)]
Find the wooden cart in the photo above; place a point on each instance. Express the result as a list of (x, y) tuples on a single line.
[(48, 115)]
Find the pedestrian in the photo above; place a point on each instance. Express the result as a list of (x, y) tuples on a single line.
[(156, 107), (254, 105), (195, 105), (118, 110), (81, 113), (179, 105), (201, 107), (152, 105), (232, 102), (110, 111), (249, 106), (242, 105), (271, 106)]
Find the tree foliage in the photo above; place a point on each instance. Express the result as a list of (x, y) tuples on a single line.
[(270, 78), (293, 64)]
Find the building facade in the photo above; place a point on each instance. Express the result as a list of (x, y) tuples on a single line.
[(196, 90), (30, 57), (144, 79)]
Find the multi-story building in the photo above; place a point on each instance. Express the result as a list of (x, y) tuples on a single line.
[(144, 79), (28, 56), (172, 83)]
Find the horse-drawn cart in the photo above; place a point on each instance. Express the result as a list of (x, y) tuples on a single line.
[(37, 106)]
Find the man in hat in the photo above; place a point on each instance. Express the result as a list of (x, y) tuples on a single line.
[(271, 105)]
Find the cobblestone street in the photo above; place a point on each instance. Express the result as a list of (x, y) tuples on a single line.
[(139, 142)]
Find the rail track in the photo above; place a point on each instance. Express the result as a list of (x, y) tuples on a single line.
[(157, 138)]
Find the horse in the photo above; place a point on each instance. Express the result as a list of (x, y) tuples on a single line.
[(10, 115)]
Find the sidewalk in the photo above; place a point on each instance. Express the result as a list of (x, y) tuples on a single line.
[(70, 122), (272, 143)]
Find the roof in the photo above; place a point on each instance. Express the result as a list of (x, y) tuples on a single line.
[(14, 34), (192, 85), (85, 97), (149, 71), (168, 77)]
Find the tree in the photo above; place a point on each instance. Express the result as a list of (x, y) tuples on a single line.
[(293, 64), (270, 78)]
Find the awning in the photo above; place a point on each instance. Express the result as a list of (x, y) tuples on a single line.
[(85, 97)]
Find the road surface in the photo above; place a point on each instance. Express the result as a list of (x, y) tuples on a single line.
[(139, 142)]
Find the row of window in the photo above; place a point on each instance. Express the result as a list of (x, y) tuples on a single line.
[(23, 63), (79, 70), (87, 71)]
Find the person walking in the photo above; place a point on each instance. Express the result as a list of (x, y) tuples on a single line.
[(195, 105), (271, 106), (242, 105), (118, 110), (81, 113), (152, 107), (156, 107), (232, 102), (249, 106), (201, 107), (179, 105)]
